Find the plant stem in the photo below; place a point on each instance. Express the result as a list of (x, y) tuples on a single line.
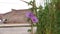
[(31, 27)]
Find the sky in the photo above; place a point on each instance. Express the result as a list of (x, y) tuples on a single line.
[(7, 5)]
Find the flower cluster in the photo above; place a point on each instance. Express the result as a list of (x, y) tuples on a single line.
[(32, 17)]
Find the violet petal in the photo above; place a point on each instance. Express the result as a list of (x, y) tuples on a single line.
[(34, 19), (29, 14)]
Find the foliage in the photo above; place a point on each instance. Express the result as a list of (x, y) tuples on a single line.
[(49, 17)]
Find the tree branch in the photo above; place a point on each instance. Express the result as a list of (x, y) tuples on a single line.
[(27, 2)]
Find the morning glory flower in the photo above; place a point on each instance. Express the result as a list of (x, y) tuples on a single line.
[(29, 14), (32, 17)]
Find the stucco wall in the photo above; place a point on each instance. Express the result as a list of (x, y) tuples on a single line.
[(16, 30)]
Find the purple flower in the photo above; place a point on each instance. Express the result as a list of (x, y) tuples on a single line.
[(34, 19), (29, 14)]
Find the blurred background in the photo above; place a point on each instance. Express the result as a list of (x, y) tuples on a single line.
[(7, 5)]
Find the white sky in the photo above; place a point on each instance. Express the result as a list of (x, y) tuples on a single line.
[(7, 5)]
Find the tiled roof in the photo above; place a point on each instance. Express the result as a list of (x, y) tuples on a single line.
[(15, 16)]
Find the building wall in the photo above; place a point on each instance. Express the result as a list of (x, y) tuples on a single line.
[(16, 30)]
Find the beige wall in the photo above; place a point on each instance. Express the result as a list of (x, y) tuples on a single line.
[(16, 30)]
